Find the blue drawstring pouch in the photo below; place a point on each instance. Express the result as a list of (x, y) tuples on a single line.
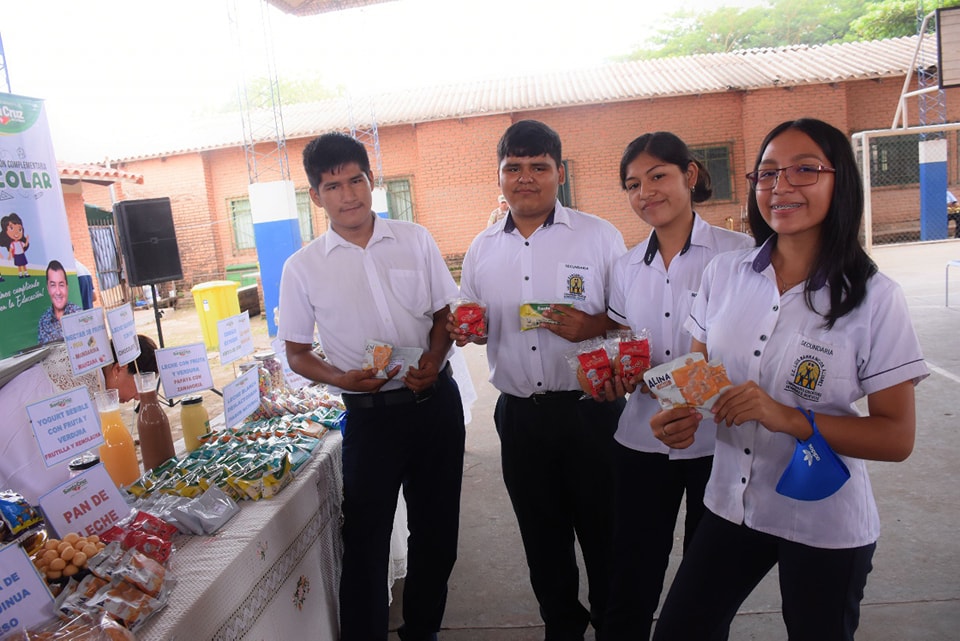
[(815, 471)]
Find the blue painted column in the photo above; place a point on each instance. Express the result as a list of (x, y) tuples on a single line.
[(933, 189), (276, 231)]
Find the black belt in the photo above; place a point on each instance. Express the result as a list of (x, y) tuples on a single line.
[(542, 398), (402, 396)]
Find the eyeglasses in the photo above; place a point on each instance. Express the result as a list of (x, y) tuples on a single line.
[(797, 175)]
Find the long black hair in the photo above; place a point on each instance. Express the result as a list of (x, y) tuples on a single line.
[(841, 261)]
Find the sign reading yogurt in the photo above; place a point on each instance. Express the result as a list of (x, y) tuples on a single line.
[(85, 335), (234, 337), (184, 370), (65, 425), (123, 329)]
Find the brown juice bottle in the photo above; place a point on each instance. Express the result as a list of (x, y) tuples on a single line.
[(156, 441)]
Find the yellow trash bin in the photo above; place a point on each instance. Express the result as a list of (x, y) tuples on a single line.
[(215, 300)]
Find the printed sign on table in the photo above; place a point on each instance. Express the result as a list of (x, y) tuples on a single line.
[(235, 337), (241, 397), (65, 425), (88, 504), (184, 370), (25, 601), (123, 329), (294, 380), (85, 335)]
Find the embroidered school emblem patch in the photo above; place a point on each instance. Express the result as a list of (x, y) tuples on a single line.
[(808, 373), (576, 287)]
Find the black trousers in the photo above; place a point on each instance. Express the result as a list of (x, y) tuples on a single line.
[(821, 589), (649, 489), (556, 454), (419, 446)]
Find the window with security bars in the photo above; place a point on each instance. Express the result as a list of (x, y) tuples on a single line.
[(717, 161), (399, 199), (895, 160), (241, 219)]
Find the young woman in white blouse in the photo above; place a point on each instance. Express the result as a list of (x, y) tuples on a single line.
[(805, 326), (652, 289)]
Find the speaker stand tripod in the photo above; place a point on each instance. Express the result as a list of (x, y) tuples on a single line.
[(157, 313)]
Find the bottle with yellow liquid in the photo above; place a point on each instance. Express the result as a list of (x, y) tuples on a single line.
[(118, 453), (194, 421)]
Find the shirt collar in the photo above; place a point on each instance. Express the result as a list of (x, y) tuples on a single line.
[(381, 230), (558, 215), (698, 236), (761, 261)]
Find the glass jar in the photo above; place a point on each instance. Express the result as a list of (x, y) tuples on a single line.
[(267, 360), (156, 441), (194, 420)]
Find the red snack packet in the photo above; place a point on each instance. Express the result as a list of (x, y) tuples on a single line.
[(153, 525), (634, 357), (596, 369), (151, 546), (470, 317)]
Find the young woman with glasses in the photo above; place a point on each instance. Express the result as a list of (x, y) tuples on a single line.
[(805, 326)]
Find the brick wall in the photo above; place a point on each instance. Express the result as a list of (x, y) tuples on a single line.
[(452, 166)]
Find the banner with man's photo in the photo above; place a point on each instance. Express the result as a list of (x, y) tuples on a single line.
[(34, 231)]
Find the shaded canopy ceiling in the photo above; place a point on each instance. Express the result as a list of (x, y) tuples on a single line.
[(311, 7)]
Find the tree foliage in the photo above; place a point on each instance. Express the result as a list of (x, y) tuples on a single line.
[(778, 23)]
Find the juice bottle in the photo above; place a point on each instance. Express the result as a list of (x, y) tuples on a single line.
[(156, 441), (194, 421), (118, 453)]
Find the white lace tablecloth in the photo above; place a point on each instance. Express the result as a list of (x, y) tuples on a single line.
[(272, 572)]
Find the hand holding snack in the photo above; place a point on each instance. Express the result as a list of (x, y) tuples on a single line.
[(469, 319), (677, 427), (593, 367), (688, 381), (568, 322)]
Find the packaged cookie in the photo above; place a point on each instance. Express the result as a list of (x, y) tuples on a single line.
[(592, 364), (376, 356), (531, 314), (630, 352), (470, 317), (688, 381)]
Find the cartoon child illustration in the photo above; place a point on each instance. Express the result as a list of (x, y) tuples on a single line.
[(15, 241)]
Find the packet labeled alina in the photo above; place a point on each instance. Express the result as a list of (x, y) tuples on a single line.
[(687, 381)]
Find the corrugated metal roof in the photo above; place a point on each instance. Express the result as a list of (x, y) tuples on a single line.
[(643, 79), (311, 7), (73, 173)]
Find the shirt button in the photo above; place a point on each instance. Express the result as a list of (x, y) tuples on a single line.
[(763, 337), (668, 352), (667, 315), (746, 451), (534, 348), (668, 281), (527, 243), (756, 352), (776, 308), (539, 383), (526, 278), (743, 480)]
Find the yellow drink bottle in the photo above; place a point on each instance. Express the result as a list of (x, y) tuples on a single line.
[(118, 453)]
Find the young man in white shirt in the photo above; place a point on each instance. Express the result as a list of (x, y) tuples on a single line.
[(374, 278), (556, 446)]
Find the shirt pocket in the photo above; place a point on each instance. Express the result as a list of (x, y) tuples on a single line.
[(815, 370), (410, 289)]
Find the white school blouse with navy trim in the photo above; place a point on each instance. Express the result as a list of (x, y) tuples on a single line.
[(645, 295), (387, 291), (567, 259), (781, 344)]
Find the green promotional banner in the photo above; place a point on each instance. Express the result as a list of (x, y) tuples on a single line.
[(33, 226)]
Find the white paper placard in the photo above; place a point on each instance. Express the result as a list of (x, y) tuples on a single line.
[(26, 600), (85, 335), (123, 329), (241, 397), (184, 370), (294, 380), (65, 425), (234, 337), (89, 503)]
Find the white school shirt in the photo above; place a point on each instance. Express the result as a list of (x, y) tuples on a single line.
[(645, 295), (567, 259), (387, 291), (783, 346)]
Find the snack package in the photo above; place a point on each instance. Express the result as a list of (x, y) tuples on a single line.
[(531, 314), (688, 381), (630, 352), (592, 364), (470, 317), (16, 515), (376, 356)]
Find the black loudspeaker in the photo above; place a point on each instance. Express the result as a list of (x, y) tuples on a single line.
[(148, 240)]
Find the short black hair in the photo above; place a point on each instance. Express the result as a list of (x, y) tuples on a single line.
[(330, 152), (147, 361), (55, 266), (529, 138)]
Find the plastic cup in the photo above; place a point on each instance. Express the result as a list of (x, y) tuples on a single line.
[(146, 381), (107, 401)]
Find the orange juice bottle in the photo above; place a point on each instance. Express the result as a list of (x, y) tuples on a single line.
[(118, 453)]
